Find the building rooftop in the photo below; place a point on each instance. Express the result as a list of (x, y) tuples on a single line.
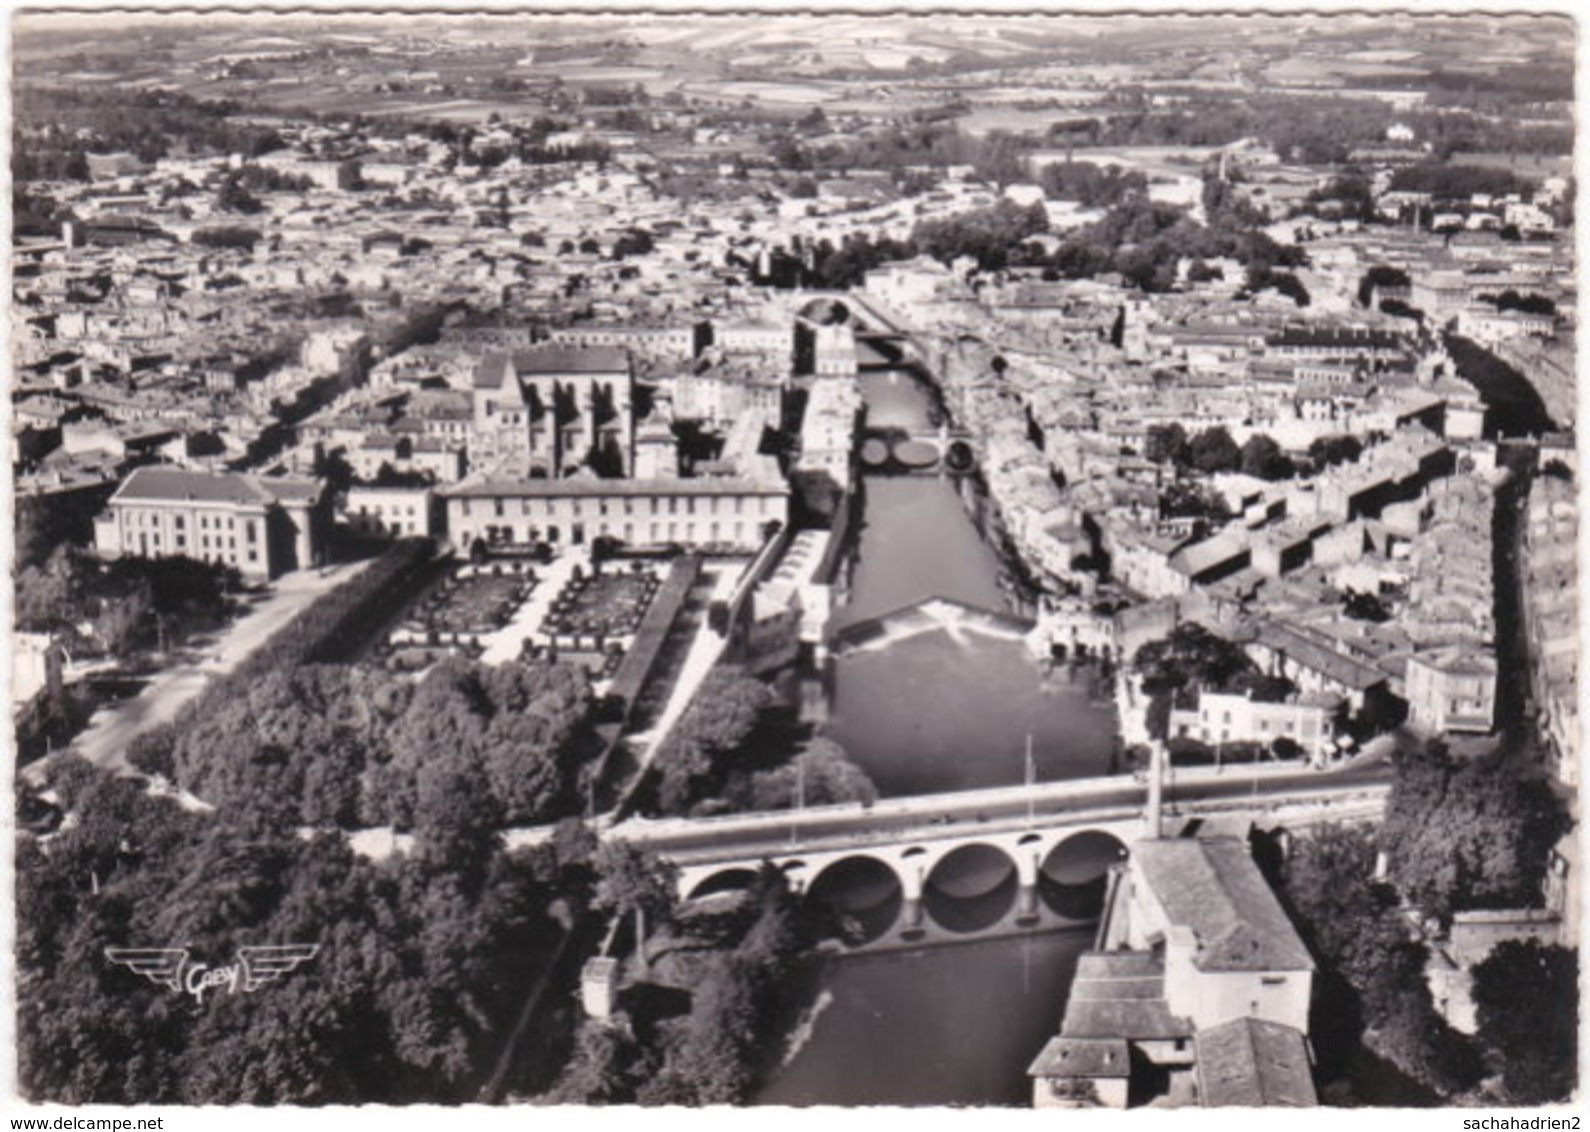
[(1252, 1063), (587, 487), (495, 367), (168, 484), (1120, 995), (1082, 1057), (1213, 887), (1317, 657)]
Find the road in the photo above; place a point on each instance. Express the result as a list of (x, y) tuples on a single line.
[(993, 810), (104, 742)]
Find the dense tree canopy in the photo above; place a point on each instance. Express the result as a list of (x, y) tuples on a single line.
[(1467, 834), (1524, 994), (1372, 971), (123, 606), (1190, 655), (420, 964), (698, 751), (1262, 457)]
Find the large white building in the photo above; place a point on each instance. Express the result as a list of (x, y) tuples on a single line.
[(726, 513), (262, 526), (1225, 718)]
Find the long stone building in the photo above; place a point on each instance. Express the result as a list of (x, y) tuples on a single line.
[(709, 513)]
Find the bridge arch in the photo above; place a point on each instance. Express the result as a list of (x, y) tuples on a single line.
[(971, 887), (1073, 875), (862, 894), (827, 312), (736, 878)]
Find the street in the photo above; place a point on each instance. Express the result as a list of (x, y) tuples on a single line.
[(991, 809), (104, 742)]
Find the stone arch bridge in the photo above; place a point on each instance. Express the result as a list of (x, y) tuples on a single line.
[(909, 872), (936, 888)]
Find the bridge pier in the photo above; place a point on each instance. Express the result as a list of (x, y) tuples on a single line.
[(1027, 865), (913, 878)]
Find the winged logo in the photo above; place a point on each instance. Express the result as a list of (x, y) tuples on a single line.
[(266, 964), (160, 965), (255, 967)]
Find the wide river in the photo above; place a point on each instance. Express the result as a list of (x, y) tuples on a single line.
[(956, 1024)]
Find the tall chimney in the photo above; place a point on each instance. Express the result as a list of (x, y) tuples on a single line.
[(1156, 789)]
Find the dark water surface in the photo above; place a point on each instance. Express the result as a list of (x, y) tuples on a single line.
[(947, 709)]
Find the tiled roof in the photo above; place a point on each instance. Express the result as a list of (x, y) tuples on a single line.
[(1317, 657), (587, 487), (572, 359), (1252, 1063), (1120, 995), (1213, 887), (1082, 1057), (172, 484)]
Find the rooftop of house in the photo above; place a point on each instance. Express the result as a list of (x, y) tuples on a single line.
[(1082, 1057), (1249, 1063), (1317, 656), (1121, 995), (545, 360), (1213, 887)]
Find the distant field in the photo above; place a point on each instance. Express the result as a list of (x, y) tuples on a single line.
[(1524, 164), (603, 73), (467, 110), (801, 93)]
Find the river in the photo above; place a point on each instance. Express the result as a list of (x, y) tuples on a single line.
[(948, 710), (944, 710)]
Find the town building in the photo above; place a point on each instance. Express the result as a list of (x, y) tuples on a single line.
[(1452, 689), (392, 512), (1197, 992), (1221, 717), (263, 527), (715, 512), (551, 410), (1551, 616)]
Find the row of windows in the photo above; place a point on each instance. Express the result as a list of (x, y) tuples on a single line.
[(655, 505), (648, 533), (218, 551), (146, 520)]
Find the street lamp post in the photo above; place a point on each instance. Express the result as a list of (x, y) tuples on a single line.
[(1031, 774), (800, 803)]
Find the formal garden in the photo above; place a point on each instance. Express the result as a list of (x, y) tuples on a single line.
[(472, 604), (593, 609)]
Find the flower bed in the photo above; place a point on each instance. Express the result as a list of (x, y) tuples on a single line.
[(597, 608)]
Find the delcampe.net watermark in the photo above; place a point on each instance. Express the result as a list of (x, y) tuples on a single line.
[(255, 967)]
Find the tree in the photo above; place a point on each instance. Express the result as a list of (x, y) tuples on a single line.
[(1525, 992), (1326, 451), (233, 196), (1468, 834), (631, 880), (820, 775), (1371, 972), (1262, 457), (719, 719), (1213, 450), (1166, 444), (1365, 607), (1190, 655)]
